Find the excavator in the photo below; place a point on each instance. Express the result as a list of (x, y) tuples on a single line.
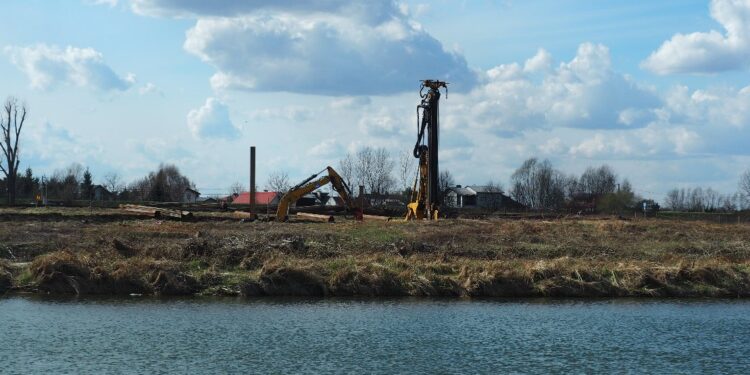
[(425, 200), (311, 183)]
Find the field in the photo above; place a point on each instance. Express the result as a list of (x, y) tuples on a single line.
[(107, 251)]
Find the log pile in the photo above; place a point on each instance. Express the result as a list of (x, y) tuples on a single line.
[(157, 212)]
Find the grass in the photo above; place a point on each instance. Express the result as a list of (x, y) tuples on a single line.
[(102, 251)]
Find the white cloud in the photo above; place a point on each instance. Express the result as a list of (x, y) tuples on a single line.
[(708, 52), (333, 47), (540, 62), (289, 113), (110, 3), (582, 93), (149, 88), (327, 148), (350, 102), (211, 121), (47, 66), (383, 124)]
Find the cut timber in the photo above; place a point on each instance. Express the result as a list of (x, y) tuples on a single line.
[(376, 217), (245, 215), (156, 211), (316, 217)]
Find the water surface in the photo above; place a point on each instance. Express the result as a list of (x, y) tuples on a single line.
[(203, 335)]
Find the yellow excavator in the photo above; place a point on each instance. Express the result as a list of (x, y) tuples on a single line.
[(310, 184), (425, 200)]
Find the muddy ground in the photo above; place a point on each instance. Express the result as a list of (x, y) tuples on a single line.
[(107, 251)]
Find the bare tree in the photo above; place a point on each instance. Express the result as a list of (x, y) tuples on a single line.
[(745, 185), (113, 183), (369, 167), (445, 181), (406, 170), (363, 168), (382, 167), (347, 170), (598, 181), (278, 181), (10, 131), (538, 186), (236, 188)]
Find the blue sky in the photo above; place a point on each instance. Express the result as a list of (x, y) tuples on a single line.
[(659, 90)]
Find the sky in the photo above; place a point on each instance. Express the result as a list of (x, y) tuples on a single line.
[(658, 90)]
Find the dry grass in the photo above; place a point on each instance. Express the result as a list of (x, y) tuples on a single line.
[(103, 251)]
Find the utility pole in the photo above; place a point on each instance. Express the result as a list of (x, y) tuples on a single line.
[(252, 179)]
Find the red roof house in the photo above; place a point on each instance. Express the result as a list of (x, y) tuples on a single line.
[(261, 197)]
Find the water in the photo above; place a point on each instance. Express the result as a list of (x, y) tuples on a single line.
[(391, 336)]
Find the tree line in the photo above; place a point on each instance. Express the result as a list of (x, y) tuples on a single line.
[(76, 182), (536, 184)]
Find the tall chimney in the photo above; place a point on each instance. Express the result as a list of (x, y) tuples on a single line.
[(252, 179)]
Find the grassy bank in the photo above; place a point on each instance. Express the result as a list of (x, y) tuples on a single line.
[(103, 252)]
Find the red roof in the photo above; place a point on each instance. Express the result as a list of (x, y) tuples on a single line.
[(261, 197)]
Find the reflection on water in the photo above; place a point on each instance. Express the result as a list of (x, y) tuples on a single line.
[(205, 335)]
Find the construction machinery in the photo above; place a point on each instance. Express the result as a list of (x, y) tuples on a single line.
[(310, 184), (425, 200)]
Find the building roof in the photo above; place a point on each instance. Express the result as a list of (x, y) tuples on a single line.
[(463, 191), (193, 190), (485, 189), (261, 197), (338, 201), (100, 187)]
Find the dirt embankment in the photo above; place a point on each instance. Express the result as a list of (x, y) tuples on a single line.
[(453, 258)]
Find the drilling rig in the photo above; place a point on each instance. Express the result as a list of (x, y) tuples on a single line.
[(425, 200)]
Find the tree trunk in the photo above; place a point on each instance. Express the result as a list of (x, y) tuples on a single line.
[(11, 182)]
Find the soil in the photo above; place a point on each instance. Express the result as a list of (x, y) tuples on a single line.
[(106, 251)]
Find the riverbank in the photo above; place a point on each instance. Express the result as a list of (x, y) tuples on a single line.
[(102, 252)]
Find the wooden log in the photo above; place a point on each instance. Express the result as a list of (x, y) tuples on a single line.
[(315, 217), (244, 215), (156, 212), (376, 217)]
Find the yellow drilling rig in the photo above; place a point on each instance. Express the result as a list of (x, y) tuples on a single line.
[(425, 200)]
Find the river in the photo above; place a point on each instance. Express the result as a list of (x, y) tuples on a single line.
[(210, 335)]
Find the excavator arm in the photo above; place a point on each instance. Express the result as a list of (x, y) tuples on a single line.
[(310, 184)]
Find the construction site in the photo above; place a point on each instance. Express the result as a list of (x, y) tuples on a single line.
[(359, 250)]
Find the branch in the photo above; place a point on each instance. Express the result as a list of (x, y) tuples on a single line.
[(18, 132)]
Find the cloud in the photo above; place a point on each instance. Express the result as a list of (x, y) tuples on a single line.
[(327, 148), (336, 48), (289, 113), (540, 62), (582, 93), (708, 52), (48, 66), (149, 88), (350, 102), (211, 121), (382, 124), (110, 3)]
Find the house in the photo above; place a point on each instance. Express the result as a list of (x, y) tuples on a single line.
[(264, 198), (190, 195), (335, 202), (393, 200), (102, 194), (480, 196), (460, 197), (582, 202), (307, 200)]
